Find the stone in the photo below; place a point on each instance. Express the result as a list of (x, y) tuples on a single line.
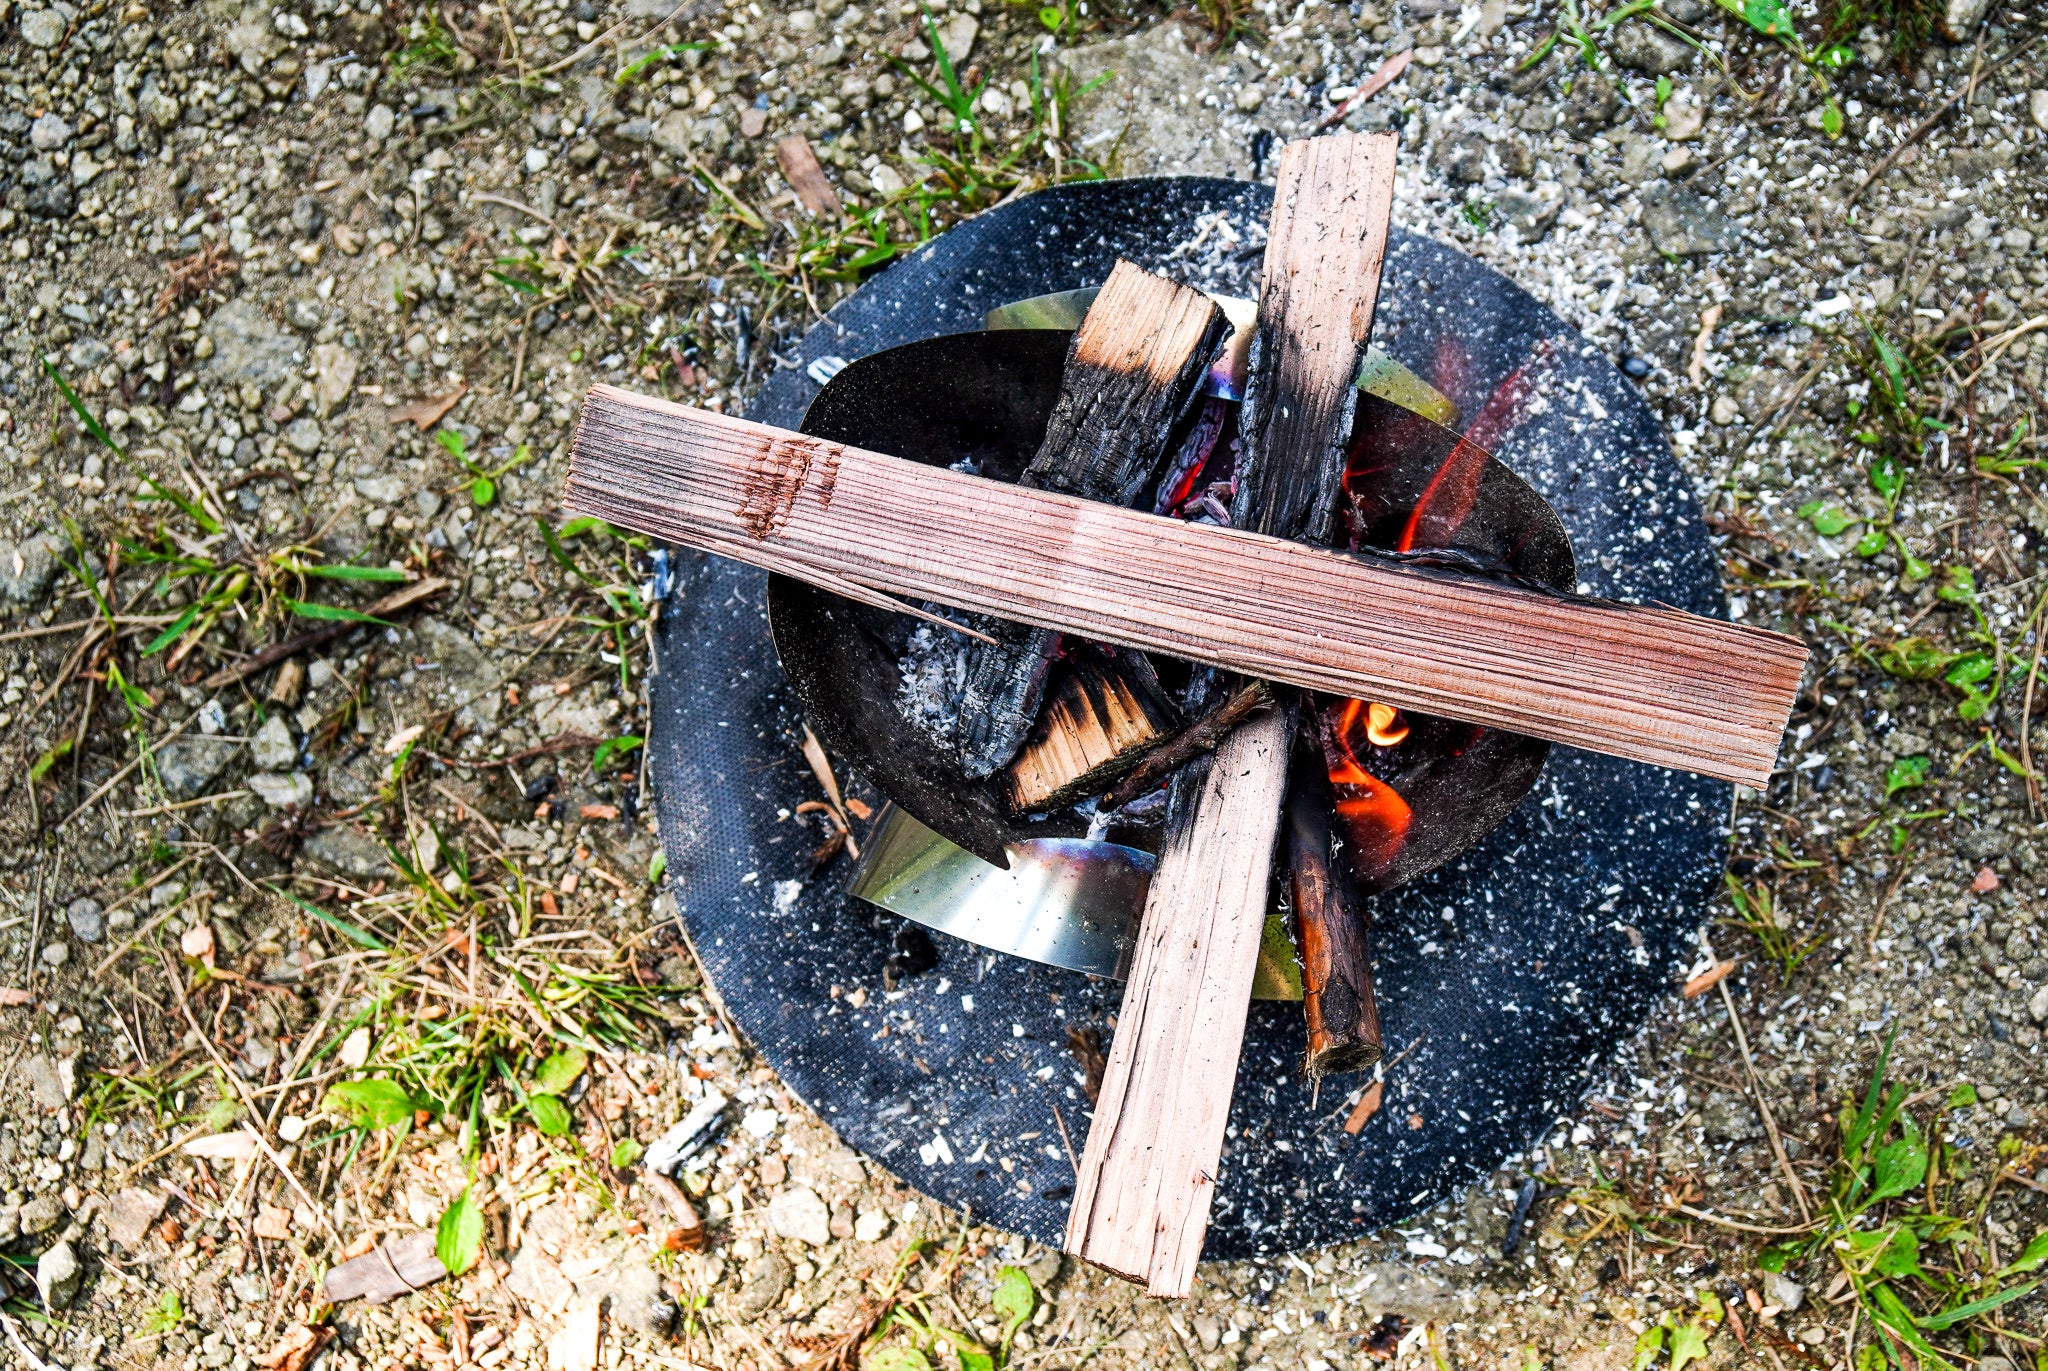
[(2037, 1007), (56, 954), (10, 1224), (798, 1213), (753, 122), (49, 192), (1249, 98), (467, 678), (1648, 49), (290, 790), (335, 368), (1156, 69), (1727, 1117), (870, 1225), (348, 851), (1463, 159), (189, 765), (273, 748), (2037, 106), (132, 1213), (385, 490), (1783, 1291), (761, 1289), (1725, 410), (1960, 18), (48, 132), (1415, 1295), (1680, 224), (1592, 105), (574, 1348), (252, 42), (43, 28), (534, 1277), (1684, 117), (672, 133), (158, 105), (1638, 159), (87, 919), (58, 1274), (40, 1215), (639, 1301), (304, 436), (887, 180), (247, 346), (27, 568), (957, 37), (379, 122)]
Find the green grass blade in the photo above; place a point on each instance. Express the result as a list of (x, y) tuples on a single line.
[(85, 416), (1952, 1317), (353, 573), (175, 631), (361, 937), (334, 613)]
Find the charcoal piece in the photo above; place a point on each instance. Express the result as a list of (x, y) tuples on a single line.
[(914, 955)]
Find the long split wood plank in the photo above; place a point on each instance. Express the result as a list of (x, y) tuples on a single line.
[(1641, 682)]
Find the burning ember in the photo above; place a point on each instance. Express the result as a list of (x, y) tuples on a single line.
[(1373, 816)]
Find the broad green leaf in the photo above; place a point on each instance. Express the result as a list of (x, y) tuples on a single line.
[(1887, 477), (1776, 1257), (1871, 543), (51, 756), (614, 747), (1014, 1300), (334, 613), (1951, 1317), (974, 1359), (1907, 773), (1961, 588), (460, 1235), (1648, 1346), (1831, 121), (550, 1115), (626, 1153), (2033, 1258), (482, 491), (1688, 1344), (1970, 668), (1836, 57), (1052, 16), (657, 867), (895, 1358), (1767, 17), (452, 441), (1893, 1251), (1961, 1097), (1827, 521), (555, 1075), (369, 1104), (1915, 659)]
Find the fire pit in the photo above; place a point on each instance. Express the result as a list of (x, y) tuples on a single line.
[(1506, 975)]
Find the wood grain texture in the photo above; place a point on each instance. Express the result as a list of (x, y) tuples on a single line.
[(1100, 719), (1132, 369), (1651, 684), (1324, 250), (1148, 1174)]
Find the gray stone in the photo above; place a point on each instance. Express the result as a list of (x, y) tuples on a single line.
[(253, 41), (385, 490), (289, 790), (305, 436), (87, 353), (336, 368), (674, 133), (43, 28), (273, 748), (48, 132), (1783, 1291), (2038, 1006), (56, 954), (1463, 159), (640, 1303), (798, 1213), (348, 851), (58, 1274), (1680, 224), (27, 568), (1402, 1290), (1959, 18), (88, 921), (10, 1224), (189, 765), (132, 1213), (49, 191), (957, 37), (379, 122), (1592, 105), (1527, 214), (40, 1215), (247, 346), (767, 1277), (534, 1277), (44, 1083), (1156, 68), (1727, 1117), (467, 679), (1646, 48), (158, 105)]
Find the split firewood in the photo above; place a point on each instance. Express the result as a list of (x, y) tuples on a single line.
[(1103, 716), (1133, 368), (384, 1273), (1329, 924), (1148, 1174)]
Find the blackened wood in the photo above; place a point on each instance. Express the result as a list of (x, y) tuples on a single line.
[(1132, 369), (1147, 1177), (1103, 715), (1191, 742), (1647, 683), (1324, 250), (1330, 924)]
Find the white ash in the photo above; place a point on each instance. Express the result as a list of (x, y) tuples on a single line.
[(934, 671)]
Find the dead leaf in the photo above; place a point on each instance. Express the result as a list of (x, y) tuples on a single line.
[(1987, 881), (1367, 1106), (1706, 980), (427, 413), (12, 996), (237, 1146), (273, 1223), (297, 1347)]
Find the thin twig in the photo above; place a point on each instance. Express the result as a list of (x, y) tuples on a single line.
[(1756, 1091), (122, 774), (1920, 130)]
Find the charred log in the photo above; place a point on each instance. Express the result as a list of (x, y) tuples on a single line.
[(1104, 715), (1330, 925)]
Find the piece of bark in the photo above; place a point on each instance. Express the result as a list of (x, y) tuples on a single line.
[(1647, 683), (384, 1273), (397, 602), (1132, 369), (1147, 1176), (688, 1233), (1330, 926), (800, 168), (1101, 719)]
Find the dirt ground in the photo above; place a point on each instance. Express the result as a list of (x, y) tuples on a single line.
[(310, 950)]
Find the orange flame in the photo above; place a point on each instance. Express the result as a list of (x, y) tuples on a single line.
[(1384, 726), (1448, 498), (1373, 815)]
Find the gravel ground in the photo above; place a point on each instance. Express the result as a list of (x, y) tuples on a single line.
[(329, 279)]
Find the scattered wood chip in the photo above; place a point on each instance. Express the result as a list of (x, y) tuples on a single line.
[(1710, 319), (273, 1223), (427, 413), (599, 811), (1706, 980), (197, 942), (299, 1345), (397, 1268), (395, 744), (238, 1146), (1367, 1106), (1987, 881), (14, 996), (575, 1347), (800, 168)]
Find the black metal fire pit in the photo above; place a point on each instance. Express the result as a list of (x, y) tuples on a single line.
[(1507, 977)]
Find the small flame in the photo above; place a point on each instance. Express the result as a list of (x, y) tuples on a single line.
[(1448, 498), (1373, 816), (1384, 726)]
